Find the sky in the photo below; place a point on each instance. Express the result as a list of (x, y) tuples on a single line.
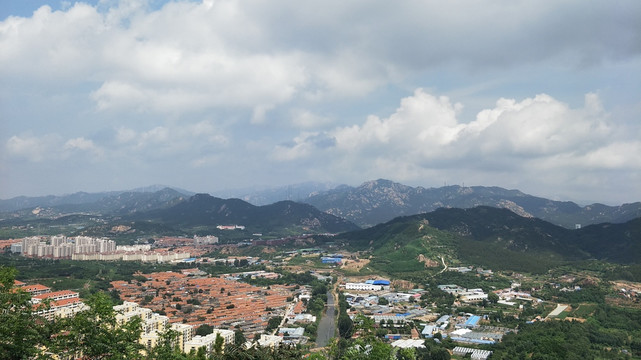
[(540, 96)]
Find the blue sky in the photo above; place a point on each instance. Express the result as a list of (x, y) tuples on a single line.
[(544, 97)]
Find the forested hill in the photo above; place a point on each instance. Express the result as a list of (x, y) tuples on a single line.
[(381, 200), (502, 230), (206, 210)]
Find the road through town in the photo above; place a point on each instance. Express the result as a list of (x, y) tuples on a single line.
[(327, 325)]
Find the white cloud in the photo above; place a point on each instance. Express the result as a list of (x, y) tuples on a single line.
[(539, 126), (32, 148), (49, 147), (84, 145), (301, 147), (515, 139), (421, 123), (305, 119), (188, 56)]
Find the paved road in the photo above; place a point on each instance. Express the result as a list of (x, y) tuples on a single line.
[(444, 265), (327, 325), (559, 309)]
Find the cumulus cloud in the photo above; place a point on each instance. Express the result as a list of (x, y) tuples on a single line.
[(535, 135), (83, 145), (188, 56), (49, 147), (32, 148)]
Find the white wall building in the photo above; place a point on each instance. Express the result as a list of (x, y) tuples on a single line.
[(363, 287)]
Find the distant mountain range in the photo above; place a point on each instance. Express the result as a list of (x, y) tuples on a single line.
[(266, 196), (139, 199), (168, 211), (369, 204), (379, 201)]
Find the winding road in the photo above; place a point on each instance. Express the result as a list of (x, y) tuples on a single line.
[(444, 265)]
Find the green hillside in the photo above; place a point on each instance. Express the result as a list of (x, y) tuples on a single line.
[(492, 238)]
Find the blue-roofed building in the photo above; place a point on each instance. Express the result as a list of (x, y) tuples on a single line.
[(381, 282), (331, 260), (472, 322), (428, 331)]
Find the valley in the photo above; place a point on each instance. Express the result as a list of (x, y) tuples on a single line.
[(426, 285)]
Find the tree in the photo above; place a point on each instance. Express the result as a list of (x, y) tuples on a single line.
[(273, 323), (345, 326), (239, 337), (492, 297), (21, 332), (204, 329), (218, 344), (96, 334), (406, 354)]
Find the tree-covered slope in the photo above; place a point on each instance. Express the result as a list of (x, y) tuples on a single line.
[(208, 211), (496, 238)]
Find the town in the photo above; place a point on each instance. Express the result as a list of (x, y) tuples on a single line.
[(253, 300)]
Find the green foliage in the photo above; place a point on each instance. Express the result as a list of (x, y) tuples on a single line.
[(235, 352), (629, 272), (166, 348), (239, 337), (345, 326), (218, 344), (87, 277), (95, 333), (496, 257), (589, 293), (273, 323), (603, 338), (204, 329), (20, 332), (436, 296)]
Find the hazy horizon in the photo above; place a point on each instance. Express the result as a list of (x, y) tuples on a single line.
[(253, 190)]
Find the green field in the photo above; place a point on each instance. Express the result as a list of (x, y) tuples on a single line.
[(584, 310)]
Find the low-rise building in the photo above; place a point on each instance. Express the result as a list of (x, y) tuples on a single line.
[(363, 287), (409, 343), (58, 304), (209, 341), (291, 333), (270, 341), (476, 354)]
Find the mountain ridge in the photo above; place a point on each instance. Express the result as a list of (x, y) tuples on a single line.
[(82, 200), (381, 200), (207, 210)]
